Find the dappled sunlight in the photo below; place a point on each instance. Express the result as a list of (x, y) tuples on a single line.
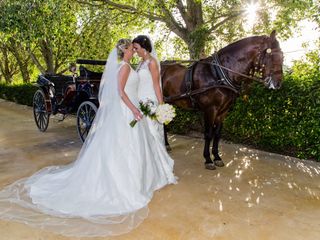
[(172, 138), (187, 172), (306, 169), (229, 163), (220, 206), (255, 179), (238, 173), (191, 149)]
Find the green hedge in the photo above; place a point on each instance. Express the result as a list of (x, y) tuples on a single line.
[(186, 121), (22, 94), (286, 120)]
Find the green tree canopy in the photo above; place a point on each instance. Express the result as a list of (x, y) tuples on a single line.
[(199, 23)]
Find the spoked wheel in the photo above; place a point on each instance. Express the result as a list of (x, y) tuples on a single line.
[(85, 115), (40, 111)]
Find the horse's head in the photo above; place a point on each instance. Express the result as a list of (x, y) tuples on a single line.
[(269, 61)]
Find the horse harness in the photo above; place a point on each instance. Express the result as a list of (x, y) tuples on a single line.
[(223, 82)]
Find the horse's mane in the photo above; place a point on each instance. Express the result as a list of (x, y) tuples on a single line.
[(235, 46), (247, 41)]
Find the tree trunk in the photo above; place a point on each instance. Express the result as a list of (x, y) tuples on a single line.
[(7, 71), (195, 53), (36, 61), (22, 61), (47, 54), (24, 71), (194, 34)]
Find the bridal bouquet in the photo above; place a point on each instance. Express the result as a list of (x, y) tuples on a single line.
[(164, 113)]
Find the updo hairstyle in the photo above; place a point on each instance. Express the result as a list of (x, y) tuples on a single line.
[(122, 44), (144, 42)]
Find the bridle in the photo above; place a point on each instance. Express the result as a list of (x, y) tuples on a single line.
[(262, 60)]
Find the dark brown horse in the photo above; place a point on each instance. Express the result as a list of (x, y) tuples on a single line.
[(211, 85)]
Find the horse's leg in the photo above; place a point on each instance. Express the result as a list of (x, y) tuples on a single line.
[(207, 138), (166, 138), (215, 149)]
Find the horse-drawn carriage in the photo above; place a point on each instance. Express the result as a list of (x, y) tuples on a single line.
[(76, 94), (210, 85)]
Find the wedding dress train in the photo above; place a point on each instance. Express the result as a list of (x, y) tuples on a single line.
[(107, 189)]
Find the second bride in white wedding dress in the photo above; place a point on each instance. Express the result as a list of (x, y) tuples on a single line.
[(149, 80), (150, 89), (107, 189)]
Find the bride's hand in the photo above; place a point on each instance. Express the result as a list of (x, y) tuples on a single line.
[(137, 114)]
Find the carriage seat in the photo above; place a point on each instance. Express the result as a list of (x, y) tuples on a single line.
[(89, 75)]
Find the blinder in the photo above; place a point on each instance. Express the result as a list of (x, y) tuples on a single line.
[(263, 68)]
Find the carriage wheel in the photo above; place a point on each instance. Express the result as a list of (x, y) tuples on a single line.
[(85, 115), (40, 112)]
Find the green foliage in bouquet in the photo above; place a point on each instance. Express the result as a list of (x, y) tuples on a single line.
[(146, 110)]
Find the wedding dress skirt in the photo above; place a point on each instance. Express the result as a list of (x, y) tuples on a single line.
[(146, 92), (106, 190)]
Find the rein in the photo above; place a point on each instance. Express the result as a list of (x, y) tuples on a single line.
[(238, 73), (194, 92)]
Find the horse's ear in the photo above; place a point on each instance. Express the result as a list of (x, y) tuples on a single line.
[(273, 35)]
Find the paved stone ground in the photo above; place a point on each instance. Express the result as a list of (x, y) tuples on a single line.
[(257, 195)]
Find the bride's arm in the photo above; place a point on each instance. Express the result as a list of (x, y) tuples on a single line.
[(123, 77), (154, 69)]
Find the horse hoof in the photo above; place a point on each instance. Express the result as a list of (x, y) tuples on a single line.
[(210, 166), (168, 148), (219, 163)]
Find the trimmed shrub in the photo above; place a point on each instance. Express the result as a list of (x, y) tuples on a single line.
[(22, 94), (186, 121), (286, 120)]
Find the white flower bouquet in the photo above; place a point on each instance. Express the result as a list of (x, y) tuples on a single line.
[(164, 113)]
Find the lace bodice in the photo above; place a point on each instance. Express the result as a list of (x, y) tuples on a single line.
[(145, 89)]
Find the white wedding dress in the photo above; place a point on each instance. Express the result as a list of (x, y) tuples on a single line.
[(146, 92), (106, 190)]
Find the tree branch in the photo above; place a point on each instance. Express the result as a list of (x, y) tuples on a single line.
[(35, 60), (171, 22), (167, 18), (195, 9), (182, 11), (228, 18), (128, 9)]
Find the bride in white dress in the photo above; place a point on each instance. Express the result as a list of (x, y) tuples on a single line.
[(150, 89), (105, 191), (149, 76)]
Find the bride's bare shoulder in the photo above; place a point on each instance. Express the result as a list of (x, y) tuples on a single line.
[(153, 64)]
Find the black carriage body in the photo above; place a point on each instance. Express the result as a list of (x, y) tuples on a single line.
[(64, 94), (67, 94)]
